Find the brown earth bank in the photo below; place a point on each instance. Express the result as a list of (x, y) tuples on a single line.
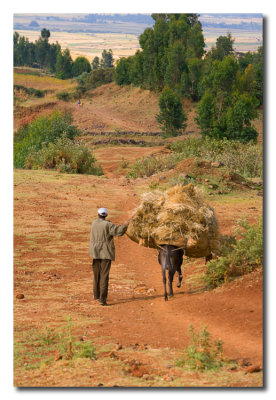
[(106, 108), (52, 269)]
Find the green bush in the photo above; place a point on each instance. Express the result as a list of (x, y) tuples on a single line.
[(64, 95), (65, 156), (95, 78), (29, 139), (204, 353), (239, 258), (243, 158)]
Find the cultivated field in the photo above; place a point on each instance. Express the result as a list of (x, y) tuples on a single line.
[(91, 45), (124, 45), (139, 337)]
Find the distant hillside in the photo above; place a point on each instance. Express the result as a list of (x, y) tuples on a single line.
[(88, 23), (248, 22), (106, 18), (128, 23)]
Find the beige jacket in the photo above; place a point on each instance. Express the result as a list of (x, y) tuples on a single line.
[(101, 238)]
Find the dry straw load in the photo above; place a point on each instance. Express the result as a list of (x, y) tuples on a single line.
[(179, 217)]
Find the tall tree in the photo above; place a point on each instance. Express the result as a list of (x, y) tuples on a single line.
[(80, 65), (95, 63), (64, 65), (45, 34), (171, 116), (107, 59), (226, 108), (224, 48), (166, 50)]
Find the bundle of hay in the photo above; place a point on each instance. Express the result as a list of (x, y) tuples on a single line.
[(179, 217)]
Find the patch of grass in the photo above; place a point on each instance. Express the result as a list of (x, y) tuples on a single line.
[(154, 185), (29, 91), (36, 349), (150, 165), (244, 159), (182, 180)]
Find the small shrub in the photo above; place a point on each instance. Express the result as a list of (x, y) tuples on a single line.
[(64, 96), (70, 349), (93, 79), (204, 353), (124, 163), (84, 350), (237, 258), (248, 252), (217, 272)]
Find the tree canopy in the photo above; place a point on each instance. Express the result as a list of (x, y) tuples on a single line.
[(167, 50)]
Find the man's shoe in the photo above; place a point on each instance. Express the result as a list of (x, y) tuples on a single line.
[(103, 303)]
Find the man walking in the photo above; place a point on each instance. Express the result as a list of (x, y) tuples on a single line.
[(102, 250)]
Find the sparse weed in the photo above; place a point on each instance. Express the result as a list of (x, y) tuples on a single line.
[(47, 337), (124, 163), (203, 353), (154, 185)]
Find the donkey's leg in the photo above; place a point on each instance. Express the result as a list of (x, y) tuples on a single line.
[(171, 274), (179, 277), (165, 284)]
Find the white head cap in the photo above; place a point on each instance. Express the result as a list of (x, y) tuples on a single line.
[(102, 212)]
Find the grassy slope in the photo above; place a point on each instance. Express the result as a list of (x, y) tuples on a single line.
[(109, 107)]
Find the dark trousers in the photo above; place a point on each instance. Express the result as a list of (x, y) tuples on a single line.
[(101, 270)]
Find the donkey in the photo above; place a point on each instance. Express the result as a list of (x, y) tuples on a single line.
[(170, 258)]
